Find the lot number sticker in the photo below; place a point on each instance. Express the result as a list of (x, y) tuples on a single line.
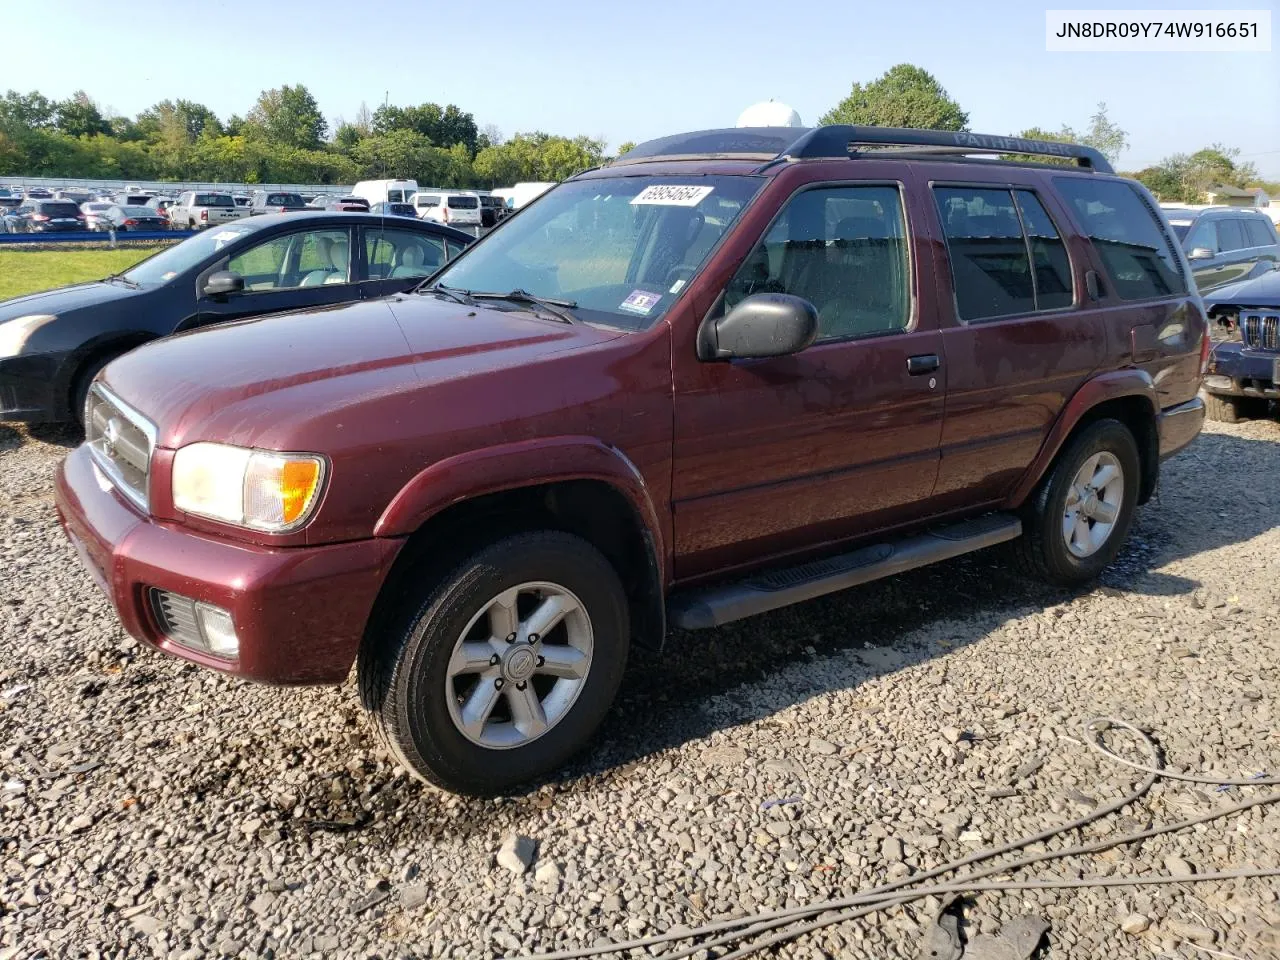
[(640, 301), (672, 195)]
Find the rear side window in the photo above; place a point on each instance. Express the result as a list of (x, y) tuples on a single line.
[(1259, 232), (1231, 234), (1130, 240), (990, 263), (1051, 267)]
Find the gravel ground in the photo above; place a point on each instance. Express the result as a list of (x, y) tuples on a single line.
[(149, 808)]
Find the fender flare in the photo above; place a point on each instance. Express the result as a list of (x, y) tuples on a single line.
[(524, 463), (1113, 385)]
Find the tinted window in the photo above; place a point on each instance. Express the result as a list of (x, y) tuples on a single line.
[(284, 200), (428, 201), (844, 250), (214, 200), (59, 209), (990, 267), (137, 211), (1128, 237), (1259, 232), (464, 203), (399, 254), (1051, 272), (1231, 235), (1180, 230)]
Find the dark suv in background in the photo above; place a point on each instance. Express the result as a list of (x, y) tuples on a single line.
[(730, 371), (49, 216), (1225, 244)]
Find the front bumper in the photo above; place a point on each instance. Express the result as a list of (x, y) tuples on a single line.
[(27, 385), (1179, 425), (299, 612), (1239, 371)]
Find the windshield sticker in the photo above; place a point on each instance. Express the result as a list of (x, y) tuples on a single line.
[(677, 286), (223, 236), (640, 301), (672, 195)]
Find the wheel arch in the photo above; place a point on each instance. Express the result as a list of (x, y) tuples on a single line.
[(1125, 395), (106, 346), (574, 484)]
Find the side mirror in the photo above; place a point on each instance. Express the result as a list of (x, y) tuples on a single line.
[(762, 325), (223, 283), (1200, 253)]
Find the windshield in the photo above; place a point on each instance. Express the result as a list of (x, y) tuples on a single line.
[(463, 203), (171, 261), (621, 248), (65, 209), (214, 200)]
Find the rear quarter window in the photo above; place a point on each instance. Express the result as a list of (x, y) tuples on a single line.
[(1259, 232), (1130, 240)]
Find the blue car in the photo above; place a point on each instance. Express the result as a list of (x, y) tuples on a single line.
[(1244, 366)]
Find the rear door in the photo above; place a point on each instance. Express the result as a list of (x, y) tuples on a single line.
[(1019, 332), (781, 455), (288, 271)]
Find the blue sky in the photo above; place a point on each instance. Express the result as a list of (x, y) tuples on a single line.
[(631, 71)]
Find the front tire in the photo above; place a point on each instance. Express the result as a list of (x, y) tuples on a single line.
[(499, 671), (1234, 409), (1078, 518)]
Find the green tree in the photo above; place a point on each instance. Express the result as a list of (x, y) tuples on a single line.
[(1104, 136), (78, 116), (31, 111), (905, 96), (347, 136), (626, 147), (443, 126), (289, 116)]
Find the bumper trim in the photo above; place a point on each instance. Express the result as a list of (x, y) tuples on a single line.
[(1179, 425), (300, 612)]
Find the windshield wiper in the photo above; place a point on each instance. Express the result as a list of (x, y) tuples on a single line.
[(120, 278), (453, 293), (557, 308)]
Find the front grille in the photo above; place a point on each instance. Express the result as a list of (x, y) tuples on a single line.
[(176, 617), (1260, 330), (120, 440)]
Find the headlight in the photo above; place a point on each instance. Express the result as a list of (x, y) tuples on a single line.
[(15, 333), (258, 489)]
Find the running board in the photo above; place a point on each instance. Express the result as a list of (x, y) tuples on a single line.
[(714, 606)]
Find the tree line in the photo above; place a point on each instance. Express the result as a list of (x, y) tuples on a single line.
[(284, 138)]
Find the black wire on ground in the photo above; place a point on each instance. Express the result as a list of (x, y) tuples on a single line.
[(792, 922)]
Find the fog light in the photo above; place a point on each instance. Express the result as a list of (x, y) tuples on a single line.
[(218, 630)]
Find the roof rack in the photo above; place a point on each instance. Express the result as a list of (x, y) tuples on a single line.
[(791, 143)]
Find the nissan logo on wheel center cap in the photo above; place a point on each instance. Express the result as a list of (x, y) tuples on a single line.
[(520, 663)]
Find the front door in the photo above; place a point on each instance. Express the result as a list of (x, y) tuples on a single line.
[(778, 455), (303, 268)]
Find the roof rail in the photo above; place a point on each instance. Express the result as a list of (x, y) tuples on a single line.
[(778, 143)]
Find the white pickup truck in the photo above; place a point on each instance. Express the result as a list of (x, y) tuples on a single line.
[(195, 210)]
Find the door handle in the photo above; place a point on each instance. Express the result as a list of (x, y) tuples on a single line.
[(922, 364)]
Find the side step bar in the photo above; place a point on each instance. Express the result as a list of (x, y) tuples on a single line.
[(713, 606)]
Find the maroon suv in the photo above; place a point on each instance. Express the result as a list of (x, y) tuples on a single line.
[(730, 371)]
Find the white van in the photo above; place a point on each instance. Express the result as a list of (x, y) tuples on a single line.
[(385, 191), (457, 208)]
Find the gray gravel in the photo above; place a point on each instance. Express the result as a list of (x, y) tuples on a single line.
[(149, 808)]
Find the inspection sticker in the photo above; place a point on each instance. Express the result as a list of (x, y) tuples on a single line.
[(672, 195), (640, 301)]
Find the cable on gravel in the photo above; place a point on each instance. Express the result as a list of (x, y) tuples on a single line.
[(780, 926)]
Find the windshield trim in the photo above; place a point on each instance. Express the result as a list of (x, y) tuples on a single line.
[(601, 318)]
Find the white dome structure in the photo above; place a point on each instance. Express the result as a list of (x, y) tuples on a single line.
[(769, 113)]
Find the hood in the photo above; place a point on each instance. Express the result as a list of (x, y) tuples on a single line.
[(65, 299), (253, 382), (1263, 291)]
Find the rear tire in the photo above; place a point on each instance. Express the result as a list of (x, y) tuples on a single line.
[(423, 667), (1079, 516)]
